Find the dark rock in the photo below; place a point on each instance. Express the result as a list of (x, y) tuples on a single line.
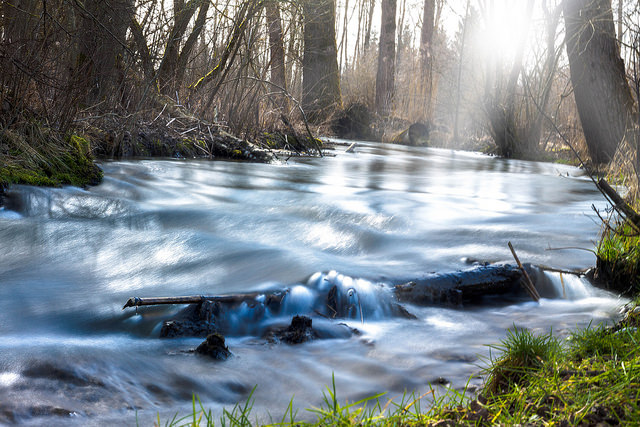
[(42, 411), (353, 123), (197, 320), (300, 330), (416, 134), (214, 347), (440, 381)]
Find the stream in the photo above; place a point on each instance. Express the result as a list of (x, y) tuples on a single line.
[(70, 258)]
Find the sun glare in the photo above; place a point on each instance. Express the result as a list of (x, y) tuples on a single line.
[(502, 25)]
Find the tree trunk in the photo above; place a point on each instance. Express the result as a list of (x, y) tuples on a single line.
[(182, 14), (598, 76), (456, 117), (367, 37), (104, 30), (276, 49), (385, 78), (320, 77), (552, 19), (426, 62), (187, 49)]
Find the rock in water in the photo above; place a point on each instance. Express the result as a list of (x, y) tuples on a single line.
[(298, 332), (197, 320), (214, 347)]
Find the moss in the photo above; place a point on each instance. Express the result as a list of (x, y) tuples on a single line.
[(80, 143), (38, 156), (19, 175)]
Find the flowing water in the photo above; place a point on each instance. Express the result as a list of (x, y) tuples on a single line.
[(70, 259)]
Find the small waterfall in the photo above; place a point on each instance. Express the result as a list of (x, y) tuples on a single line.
[(353, 298), (570, 286)]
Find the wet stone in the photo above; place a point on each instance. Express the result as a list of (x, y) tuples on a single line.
[(300, 330), (214, 347), (196, 320)]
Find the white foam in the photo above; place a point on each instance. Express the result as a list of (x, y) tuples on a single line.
[(299, 300)]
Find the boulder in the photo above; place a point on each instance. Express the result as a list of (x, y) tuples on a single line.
[(214, 347), (300, 330), (416, 134), (196, 320)]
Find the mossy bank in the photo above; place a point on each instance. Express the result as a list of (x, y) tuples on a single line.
[(37, 155)]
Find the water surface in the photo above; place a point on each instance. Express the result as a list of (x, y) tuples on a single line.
[(72, 257)]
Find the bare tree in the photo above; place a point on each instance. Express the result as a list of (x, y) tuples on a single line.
[(276, 49), (598, 75), (102, 46), (321, 79), (426, 53), (385, 78)]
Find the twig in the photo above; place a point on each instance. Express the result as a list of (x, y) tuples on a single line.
[(562, 271), (528, 285), (187, 131), (159, 114), (577, 248)]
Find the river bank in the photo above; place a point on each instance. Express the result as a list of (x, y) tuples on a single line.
[(34, 153)]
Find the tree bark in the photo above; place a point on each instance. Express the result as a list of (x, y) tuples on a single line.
[(367, 37), (276, 49), (598, 76), (187, 49), (385, 78), (320, 76), (426, 53), (168, 72), (102, 46)]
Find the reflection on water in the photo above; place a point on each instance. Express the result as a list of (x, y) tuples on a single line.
[(71, 258)]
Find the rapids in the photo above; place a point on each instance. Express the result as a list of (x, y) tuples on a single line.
[(366, 221)]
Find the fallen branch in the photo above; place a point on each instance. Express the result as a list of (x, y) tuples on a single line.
[(619, 204), (193, 299)]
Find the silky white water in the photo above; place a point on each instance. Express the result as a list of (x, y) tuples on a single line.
[(70, 258)]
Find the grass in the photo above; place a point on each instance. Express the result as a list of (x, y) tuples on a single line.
[(589, 378), (618, 258)]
